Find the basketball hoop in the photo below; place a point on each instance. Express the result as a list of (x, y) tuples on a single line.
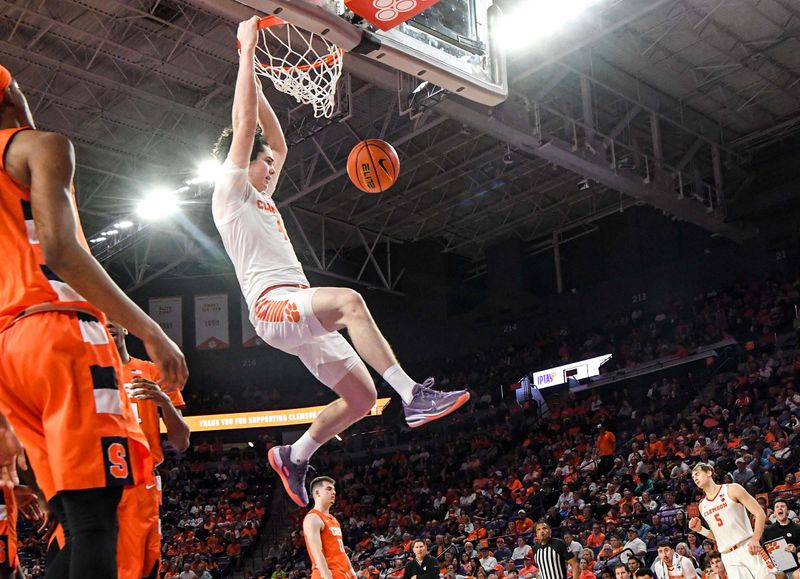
[(304, 65)]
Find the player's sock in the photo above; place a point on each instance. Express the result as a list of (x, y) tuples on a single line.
[(402, 383), (304, 448)]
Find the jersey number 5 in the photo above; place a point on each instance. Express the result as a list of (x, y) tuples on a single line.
[(718, 519)]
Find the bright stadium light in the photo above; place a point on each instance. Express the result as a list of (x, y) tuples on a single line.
[(124, 224), (537, 19), (158, 204), (207, 172)]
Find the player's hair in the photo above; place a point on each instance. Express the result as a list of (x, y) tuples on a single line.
[(781, 500), (704, 466), (665, 544), (319, 481), (714, 555), (225, 140), (644, 572)]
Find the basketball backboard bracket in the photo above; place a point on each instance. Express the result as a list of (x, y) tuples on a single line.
[(454, 44)]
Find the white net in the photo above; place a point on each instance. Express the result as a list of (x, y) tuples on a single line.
[(300, 63)]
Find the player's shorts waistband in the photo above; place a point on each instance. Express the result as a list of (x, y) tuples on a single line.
[(281, 285), (738, 545)]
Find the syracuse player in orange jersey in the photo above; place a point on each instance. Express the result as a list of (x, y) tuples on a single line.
[(323, 534), (59, 374), (139, 543)]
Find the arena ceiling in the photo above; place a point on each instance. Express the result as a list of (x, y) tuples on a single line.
[(658, 102)]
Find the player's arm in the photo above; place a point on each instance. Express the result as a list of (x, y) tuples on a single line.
[(273, 134), (245, 100), (739, 494), (177, 430), (15, 97), (11, 455), (696, 525), (312, 529), (50, 161)]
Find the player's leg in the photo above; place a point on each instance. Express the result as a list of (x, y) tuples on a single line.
[(92, 516), (343, 308), (332, 360)]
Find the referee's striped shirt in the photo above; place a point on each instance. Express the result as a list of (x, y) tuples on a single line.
[(551, 559)]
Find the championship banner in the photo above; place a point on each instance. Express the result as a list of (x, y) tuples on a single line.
[(249, 337), (211, 322), (267, 418), (168, 313)]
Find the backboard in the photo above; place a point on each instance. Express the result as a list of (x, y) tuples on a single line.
[(453, 44)]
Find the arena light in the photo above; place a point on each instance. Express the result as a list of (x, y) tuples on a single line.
[(207, 172), (158, 204), (535, 20), (124, 224)]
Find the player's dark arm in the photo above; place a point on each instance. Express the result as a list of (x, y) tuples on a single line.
[(50, 161), (15, 96), (177, 430), (245, 100)]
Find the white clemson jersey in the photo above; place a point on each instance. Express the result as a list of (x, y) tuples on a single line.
[(253, 234), (727, 519)]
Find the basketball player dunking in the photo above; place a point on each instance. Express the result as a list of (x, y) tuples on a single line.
[(323, 535), (285, 311), (725, 509)]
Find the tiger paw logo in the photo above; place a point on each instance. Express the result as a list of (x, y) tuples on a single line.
[(387, 10), (292, 313)]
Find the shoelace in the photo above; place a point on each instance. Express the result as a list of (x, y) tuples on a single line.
[(426, 391)]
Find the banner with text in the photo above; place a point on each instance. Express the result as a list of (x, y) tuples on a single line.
[(168, 313), (249, 337), (267, 418), (211, 322)]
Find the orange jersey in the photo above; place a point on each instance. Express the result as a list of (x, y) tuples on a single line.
[(146, 411), (332, 547), (26, 283)]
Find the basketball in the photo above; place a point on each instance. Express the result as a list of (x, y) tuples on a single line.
[(373, 166)]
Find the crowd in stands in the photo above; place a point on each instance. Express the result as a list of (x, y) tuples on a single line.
[(214, 505), (607, 468)]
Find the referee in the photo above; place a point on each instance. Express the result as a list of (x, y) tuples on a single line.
[(551, 555)]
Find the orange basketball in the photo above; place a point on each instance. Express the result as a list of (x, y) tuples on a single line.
[(373, 166)]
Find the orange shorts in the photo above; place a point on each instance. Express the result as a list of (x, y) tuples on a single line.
[(60, 390), (139, 540)]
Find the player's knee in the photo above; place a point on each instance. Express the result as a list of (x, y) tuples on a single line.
[(365, 402), (352, 304)]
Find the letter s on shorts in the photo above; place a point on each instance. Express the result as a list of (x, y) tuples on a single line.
[(116, 459)]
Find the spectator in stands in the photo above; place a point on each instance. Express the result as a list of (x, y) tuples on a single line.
[(502, 553), (621, 572), (606, 445), (422, 565), (586, 569), (521, 551), (487, 560), (717, 567), (783, 527), (743, 475), (670, 565), (634, 547)]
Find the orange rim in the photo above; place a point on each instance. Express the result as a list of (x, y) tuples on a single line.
[(329, 59)]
